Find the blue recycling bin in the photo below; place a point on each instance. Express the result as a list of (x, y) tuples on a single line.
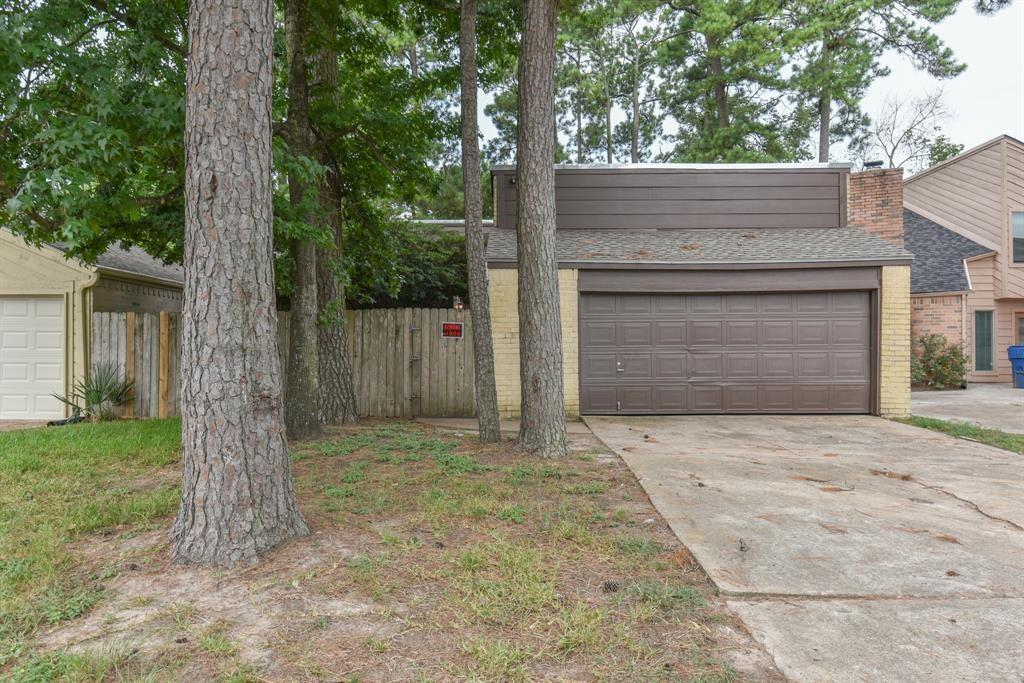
[(1016, 354)]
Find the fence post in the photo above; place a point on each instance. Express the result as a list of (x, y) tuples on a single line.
[(129, 360), (165, 323)]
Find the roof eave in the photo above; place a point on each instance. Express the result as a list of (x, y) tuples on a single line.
[(717, 265), (152, 279)]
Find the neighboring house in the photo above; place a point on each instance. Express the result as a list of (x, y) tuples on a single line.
[(965, 226), (46, 306), (716, 288)]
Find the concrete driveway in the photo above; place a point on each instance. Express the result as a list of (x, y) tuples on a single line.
[(855, 549), (996, 406)]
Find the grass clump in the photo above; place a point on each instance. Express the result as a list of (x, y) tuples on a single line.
[(666, 597), (964, 430)]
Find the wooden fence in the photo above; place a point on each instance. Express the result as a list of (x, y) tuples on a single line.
[(402, 366), (146, 346)]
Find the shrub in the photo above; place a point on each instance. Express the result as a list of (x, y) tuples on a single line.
[(936, 363), (99, 393)]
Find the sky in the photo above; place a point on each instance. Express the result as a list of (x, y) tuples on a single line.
[(986, 100)]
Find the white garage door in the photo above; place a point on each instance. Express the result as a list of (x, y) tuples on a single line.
[(31, 357)]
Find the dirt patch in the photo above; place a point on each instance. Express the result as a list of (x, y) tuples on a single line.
[(431, 557)]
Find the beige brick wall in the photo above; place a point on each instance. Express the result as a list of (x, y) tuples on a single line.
[(937, 315), (894, 358), (503, 289)]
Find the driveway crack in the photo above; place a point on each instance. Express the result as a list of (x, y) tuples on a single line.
[(969, 503)]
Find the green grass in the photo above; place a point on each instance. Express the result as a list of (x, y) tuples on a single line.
[(56, 484), (992, 437)]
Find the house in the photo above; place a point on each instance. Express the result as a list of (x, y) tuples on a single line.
[(717, 288), (965, 227), (46, 306)]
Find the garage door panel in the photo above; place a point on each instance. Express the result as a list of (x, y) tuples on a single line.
[(740, 398), (850, 398), (670, 333), (812, 332), (599, 399), (853, 332), (31, 357), (851, 364), (811, 397), (637, 399), (741, 365), (598, 365), (744, 353), (597, 334), (812, 364), (671, 303), (598, 304), (740, 333), (777, 365), (777, 333), (706, 365), (670, 365), (706, 333), (635, 334), (670, 399), (706, 398), (636, 366)]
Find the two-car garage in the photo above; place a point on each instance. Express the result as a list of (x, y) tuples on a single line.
[(781, 352)]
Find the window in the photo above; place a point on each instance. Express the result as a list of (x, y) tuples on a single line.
[(984, 351), (1018, 236)]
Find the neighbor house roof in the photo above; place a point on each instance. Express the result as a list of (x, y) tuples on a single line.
[(708, 247), (135, 261), (939, 255)]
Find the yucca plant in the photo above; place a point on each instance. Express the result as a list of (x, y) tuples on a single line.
[(99, 393)]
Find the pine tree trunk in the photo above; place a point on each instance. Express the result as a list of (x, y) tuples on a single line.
[(825, 108), (476, 262), (824, 126), (634, 137), (609, 154), (302, 393), (337, 389), (542, 429), (237, 499)]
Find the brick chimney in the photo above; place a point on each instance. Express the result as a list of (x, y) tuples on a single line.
[(875, 203)]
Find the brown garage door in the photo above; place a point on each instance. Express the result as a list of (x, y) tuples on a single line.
[(725, 353)]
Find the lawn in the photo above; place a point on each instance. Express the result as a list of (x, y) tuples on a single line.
[(431, 558), (965, 430)]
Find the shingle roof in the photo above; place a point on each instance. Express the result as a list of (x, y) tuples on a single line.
[(710, 246), (938, 255), (135, 261)]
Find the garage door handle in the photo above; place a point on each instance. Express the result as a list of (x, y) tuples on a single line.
[(620, 370)]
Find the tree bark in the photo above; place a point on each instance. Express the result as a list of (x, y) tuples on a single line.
[(302, 393), (825, 108), (542, 429), (476, 259), (609, 154), (634, 131), (237, 499), (337, 390)]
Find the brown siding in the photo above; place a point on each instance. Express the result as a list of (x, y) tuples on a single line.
[(116, 295), (728, 281), (687, 198)]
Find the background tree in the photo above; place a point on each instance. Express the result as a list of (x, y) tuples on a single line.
[(476, 258), (903, 132), (302, 393), (542, 429), (942, 148), (237, 497)]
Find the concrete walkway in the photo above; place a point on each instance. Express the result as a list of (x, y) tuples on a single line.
[(855, 549), (996, 406)]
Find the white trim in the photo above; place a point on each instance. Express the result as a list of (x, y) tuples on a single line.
[(967, 272)]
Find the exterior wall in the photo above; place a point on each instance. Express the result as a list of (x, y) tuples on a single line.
[(503, 290), (121, 295), (894, 342), (692, 197), (876, 203), (942, 314), (982, 297), (26, 270), (1013, 178)]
